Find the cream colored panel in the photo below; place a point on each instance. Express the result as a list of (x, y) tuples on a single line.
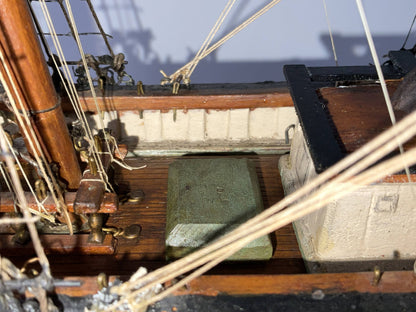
[(217, 123), (196, 125), (175, 125), (152, 126), (238, 125), (132, 125), (285, 118), (375, 222), (263, 123)]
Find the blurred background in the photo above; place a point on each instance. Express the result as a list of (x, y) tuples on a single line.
[(161, 34)]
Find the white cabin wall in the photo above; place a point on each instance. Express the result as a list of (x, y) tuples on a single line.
[(165, 35), (196, 130), (351, 232)]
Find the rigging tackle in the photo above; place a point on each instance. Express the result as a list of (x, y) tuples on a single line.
[(104, 66), (184, 73), (92, 151), (135, 284)]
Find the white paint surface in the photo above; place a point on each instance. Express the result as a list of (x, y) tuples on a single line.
[(198, 127), (376, 222)]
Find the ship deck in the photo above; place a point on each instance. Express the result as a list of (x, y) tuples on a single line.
[(150, 214)]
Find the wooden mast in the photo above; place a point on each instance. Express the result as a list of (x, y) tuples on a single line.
[(20, 42)]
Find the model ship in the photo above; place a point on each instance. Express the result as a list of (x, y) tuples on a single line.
[(98, 221)]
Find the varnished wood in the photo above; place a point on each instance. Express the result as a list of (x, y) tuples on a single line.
[(390, 282), (29, 67), (108, 205), (153, 181), (90, 194), (332, 283), (62, 244), (359, 114), (89, 286), (11, 81), (214, 96), (149, 249), (91, 189)]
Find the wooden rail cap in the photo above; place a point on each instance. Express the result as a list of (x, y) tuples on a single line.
[(108, 205)]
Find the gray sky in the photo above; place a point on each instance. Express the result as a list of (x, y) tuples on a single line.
[(161, 34)]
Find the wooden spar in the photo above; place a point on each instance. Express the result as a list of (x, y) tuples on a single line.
[(24, 53), (11, 80)]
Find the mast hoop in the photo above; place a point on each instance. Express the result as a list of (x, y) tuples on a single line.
[(41, 111)]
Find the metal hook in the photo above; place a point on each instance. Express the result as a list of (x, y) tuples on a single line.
[(97, 142), (101, 84), (175, 87), (40, 189), (140, 90), (102, 281), (93, 165), (377, 275), (287, 133)]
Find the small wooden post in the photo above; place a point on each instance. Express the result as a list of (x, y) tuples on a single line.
[(19, 39)]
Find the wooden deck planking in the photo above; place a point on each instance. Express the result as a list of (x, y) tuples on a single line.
[(148, 251), (359, 114), (151, 212)]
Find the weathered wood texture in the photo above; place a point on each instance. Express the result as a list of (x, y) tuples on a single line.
[(58, 244), (359, 114), (149, 250), (89, 286), (90, 194), (108, 205), (390, 282), (213, 285), (30, 71), (210, 96)]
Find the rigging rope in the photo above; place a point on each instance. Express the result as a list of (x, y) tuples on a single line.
[(100, 28), (18, 220), (408, 34), (345, 176), (70, 88), (69, 85), (210, 36), (45, 214), (380, 74), (13, 94), (184, 72), (84, 61), (38, 291), (330, 33), (43, 260)]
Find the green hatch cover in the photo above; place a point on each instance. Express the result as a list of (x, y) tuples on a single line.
[(206, 199)]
